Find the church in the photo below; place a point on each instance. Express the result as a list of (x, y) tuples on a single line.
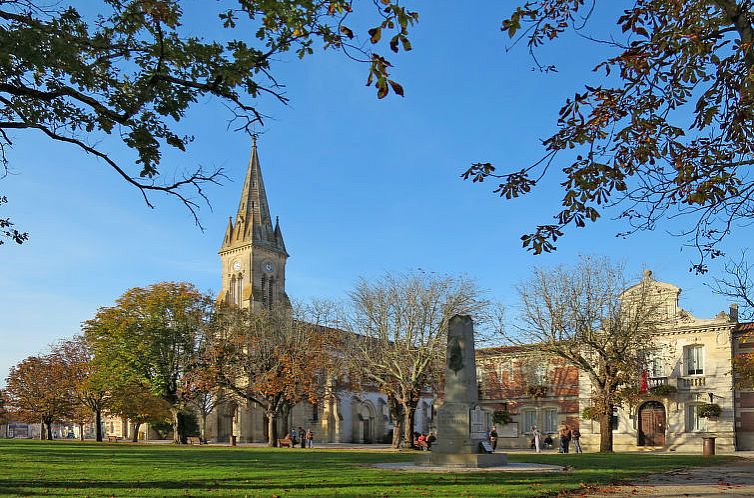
[(253, 259)]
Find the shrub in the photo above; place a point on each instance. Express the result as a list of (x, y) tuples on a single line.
[(708, 410), (590, 413), (663, 390)]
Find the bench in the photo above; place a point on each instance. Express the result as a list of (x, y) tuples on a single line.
[(113, 439), (285, 442), (194, 440)]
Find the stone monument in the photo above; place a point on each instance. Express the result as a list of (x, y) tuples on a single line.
[(461, 424)]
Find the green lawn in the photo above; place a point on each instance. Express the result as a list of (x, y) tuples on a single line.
[(64, 468)]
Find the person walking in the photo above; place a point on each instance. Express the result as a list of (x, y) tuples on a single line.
[(535, 435), (309, 438), (493, 438), (575, 434), (565, 437), (294, 437), (302, 436)]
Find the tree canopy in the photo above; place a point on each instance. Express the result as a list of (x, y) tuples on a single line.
[(273, 358), (131, 70), (585, 316), (400, 336), (662, 130), (151, 338), (37, 391)]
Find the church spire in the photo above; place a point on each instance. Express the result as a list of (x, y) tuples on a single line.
[(253, 209), (253, 222)]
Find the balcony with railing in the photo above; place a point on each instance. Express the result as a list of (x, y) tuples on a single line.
[(657, 381), (689, 383)]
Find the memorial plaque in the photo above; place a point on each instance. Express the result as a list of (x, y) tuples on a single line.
[(508, 430), (478, 424)]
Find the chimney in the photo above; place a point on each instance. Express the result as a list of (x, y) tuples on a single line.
[(733, 314)]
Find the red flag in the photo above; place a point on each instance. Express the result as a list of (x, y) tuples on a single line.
[(644, 381)]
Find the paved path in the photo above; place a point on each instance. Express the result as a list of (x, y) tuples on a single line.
[(733, 479)]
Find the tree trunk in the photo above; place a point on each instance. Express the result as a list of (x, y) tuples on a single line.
[(81, 431), (606, 430), (135, 438), (397, 434), (176, 435), (272, 430), (98, 425), (42, 431), (203, 425), (49, 430), (408, 424)]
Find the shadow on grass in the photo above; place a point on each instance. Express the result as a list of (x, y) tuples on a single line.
[(38, 467)]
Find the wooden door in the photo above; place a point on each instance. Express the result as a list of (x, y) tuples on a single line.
[(652, 424)]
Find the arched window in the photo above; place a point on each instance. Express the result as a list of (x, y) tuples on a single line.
[(233, 289), (264, 290), (239, 290), (269, 290)]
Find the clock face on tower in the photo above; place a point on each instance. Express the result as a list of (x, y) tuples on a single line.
[(268, 267), (237, 265)]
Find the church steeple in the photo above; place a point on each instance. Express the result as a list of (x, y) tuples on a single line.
[(253, 222), (253, 252)]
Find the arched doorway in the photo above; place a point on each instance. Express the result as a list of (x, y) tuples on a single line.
[(652, 424), (364, 423)]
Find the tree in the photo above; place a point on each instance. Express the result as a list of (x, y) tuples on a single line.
[(400, 325), (666, 133), (131, 70), (150, 337), (37, 391), (738, 284), (6, 228), (586, 316), (265, 356), (4, 411), (88, 382), (135, 402), (202, 389)]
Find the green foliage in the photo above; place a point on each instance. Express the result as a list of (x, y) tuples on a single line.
[(7, 231), (590, 413), (708, 410), (130, 70), (188, 424), (662, 128), (663, 390), (77, 469), (151, 337)]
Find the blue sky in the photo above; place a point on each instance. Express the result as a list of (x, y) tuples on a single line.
[(361, 186)]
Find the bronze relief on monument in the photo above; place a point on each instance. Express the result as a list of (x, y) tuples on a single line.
[(455, 356)]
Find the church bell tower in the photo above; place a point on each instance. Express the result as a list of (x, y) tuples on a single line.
[(253, 254)]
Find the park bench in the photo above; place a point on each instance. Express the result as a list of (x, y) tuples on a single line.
[(194, 440), (286, 441), (113, 439)]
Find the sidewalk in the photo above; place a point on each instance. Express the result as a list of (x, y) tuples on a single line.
[(733, 479)]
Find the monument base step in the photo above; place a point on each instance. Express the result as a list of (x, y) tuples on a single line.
[(465, 460)]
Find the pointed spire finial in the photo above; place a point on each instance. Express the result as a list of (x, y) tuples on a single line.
[(254, 140)]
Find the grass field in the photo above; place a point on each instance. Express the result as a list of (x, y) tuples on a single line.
[(61, 468)]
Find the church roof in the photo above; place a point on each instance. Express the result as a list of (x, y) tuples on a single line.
[(253, 222)]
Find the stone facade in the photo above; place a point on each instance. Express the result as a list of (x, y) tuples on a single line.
[(253, 254), (693, 357), (534, 389), (692, 361), (253, 263)]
